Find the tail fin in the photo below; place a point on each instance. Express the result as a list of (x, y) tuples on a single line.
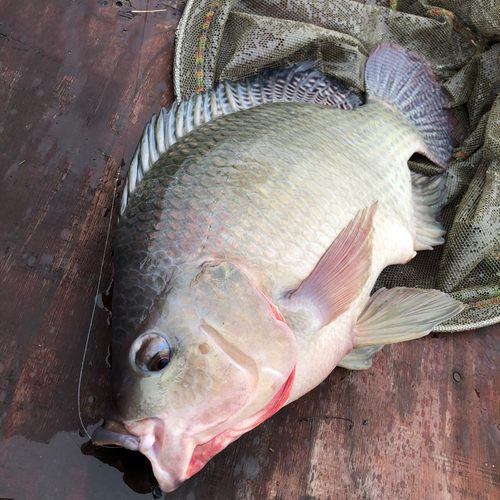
[(406, 81)]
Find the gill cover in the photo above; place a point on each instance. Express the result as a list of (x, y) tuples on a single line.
[(231, 359), (243, 330)]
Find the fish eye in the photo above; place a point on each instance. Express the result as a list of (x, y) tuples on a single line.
[(151, 352), (160, 361)]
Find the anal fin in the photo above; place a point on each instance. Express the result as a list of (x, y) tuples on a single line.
[(428, 195), (401, 314)]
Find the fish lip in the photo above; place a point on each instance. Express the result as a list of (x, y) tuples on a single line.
[(112, 432), (168, 481), (193, 457)]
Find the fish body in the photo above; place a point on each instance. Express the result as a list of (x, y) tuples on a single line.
[(231, 192), (246, 255)]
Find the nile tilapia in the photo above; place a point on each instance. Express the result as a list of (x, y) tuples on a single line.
[(245, 257)]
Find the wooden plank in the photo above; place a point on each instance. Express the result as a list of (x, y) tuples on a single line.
[(79, 81)]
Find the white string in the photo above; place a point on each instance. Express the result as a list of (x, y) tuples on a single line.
[(94, 308)]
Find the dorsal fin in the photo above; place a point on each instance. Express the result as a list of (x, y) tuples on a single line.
[(299, 83), (429, 196)]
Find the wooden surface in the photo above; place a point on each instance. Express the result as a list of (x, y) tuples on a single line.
[(78, 82)]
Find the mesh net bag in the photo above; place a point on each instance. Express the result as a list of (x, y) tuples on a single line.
[(236, 39)]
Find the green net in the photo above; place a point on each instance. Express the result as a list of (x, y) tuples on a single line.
[(235, 39)]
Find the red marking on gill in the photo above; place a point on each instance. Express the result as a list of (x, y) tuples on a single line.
[(275, 313), (204, 452)]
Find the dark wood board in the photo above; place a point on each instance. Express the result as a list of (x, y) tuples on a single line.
[(78, 81)]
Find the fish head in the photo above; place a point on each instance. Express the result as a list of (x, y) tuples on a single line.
[(214, 361)]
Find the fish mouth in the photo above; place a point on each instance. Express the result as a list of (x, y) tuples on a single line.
[(115, 433), (148, 436), (175, 458)]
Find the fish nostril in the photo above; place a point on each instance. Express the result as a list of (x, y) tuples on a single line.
[(203, 348)]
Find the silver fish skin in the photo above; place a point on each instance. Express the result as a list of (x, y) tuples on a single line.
[(300, 83), (246, 255)]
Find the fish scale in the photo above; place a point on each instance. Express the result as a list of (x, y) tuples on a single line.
[(299, 83), (293, 206)]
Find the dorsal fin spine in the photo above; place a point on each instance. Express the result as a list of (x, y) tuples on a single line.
[(179, 122), (153, 152), (300, 83), (160, 130), (189, 122), (144, 156), (251, 98)]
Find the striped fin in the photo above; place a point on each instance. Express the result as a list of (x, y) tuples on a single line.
[(300, 83), (429, 197), (403, 79)]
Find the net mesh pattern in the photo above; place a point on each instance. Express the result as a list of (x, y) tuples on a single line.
[(459, 39)]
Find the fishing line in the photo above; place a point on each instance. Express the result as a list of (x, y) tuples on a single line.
[(94, 308), (102, 268)]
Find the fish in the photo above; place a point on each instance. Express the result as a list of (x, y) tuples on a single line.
[(248, 248)]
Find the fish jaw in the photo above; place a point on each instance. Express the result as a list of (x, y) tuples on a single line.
[(112, 432), (204, 452), (176, 457), (152, 438)]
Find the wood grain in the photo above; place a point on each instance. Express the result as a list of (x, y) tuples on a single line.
[(78, 82)]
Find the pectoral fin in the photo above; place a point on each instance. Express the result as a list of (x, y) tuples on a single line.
[(401, 314), (340, 274)]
